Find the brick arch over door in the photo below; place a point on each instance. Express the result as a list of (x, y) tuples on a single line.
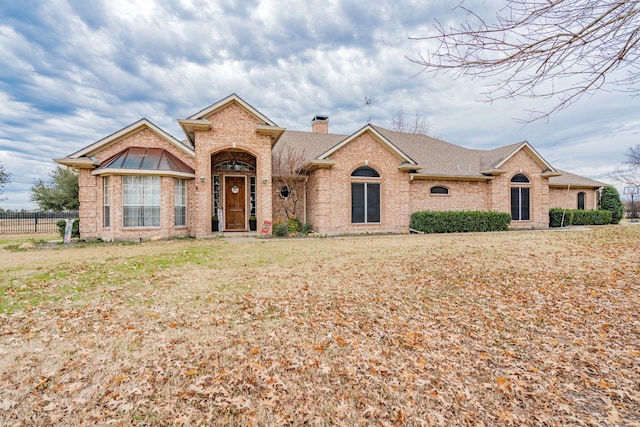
[(234, 198)]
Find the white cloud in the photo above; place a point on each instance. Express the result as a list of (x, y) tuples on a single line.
[(73, 72)]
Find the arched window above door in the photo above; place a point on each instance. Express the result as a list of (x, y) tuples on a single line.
[(234, 165)]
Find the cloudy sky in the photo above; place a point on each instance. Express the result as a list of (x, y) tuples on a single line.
[(74, 71)]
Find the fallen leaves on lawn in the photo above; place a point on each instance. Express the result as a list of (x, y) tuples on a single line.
[(526, 328)]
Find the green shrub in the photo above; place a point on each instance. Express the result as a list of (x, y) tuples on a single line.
[(559, 217), (280, 229), (459, 221), (610, 201), (294, 225), (578, 217), (75, 229), (306, 229)]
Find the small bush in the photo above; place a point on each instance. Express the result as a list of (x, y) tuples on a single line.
[(459, 221), (75, 229), (280, 229), (306, 229), (578, 217), (294, 225)]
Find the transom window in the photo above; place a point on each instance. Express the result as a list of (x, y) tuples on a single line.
[(438, 189), (365, 197), (234, 165), (520, 178), (366, 172), (140, 201)]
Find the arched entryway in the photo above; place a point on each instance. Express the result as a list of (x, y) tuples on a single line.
[(233, 174)]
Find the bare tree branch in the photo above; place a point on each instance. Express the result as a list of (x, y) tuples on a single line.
[(633, 156), (418, 126), (629, 175), (558, 49), (287, 162)]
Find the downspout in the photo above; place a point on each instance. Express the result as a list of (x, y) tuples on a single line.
[(565, 206), (596, 200), (304, 201)]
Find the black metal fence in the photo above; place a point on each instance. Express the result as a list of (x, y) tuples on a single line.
[(32, 222)]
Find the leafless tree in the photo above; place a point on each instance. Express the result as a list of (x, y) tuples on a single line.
[(629, 173), (557, 49), (289, 179), (633, 156), (419, 125)]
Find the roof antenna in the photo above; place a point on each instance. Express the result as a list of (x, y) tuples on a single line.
[(367, 102)]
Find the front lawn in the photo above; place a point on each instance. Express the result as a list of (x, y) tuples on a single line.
[(510, 328)]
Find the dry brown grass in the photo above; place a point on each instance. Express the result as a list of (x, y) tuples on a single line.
[(513, 328)]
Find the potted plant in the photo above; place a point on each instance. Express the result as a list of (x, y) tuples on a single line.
[(214, 223), (253, 223)]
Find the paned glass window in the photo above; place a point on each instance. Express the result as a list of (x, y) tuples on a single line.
[(581, 197), (439, 190), (140, 201), (180, 202), (106, 195), (365, 196)]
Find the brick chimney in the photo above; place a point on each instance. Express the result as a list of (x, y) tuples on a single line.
[(320, 124)]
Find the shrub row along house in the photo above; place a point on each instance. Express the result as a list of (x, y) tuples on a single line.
[(236, 166)]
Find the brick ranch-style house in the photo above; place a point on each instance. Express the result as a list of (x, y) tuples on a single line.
[(141, 183)]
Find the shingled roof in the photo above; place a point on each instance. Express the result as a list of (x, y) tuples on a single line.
[(567, 178), (433, 156)]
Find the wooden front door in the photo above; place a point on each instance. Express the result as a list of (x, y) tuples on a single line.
[(235, 201)]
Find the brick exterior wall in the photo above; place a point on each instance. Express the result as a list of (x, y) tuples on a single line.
[(523, 162), (463, 195), (324, 199), (91, 195), (233, 129), (329, 190), (561, 198)]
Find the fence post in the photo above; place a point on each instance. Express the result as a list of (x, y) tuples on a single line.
[(36, 223)]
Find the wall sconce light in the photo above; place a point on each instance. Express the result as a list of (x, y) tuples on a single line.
[(264, 179), (202, 179)]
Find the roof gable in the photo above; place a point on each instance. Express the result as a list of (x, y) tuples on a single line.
[(128, 131), (200, 121), (377, 135), (233, 98), (515, 148)]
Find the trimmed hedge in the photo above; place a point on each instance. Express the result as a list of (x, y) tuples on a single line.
[(578, 217), (75, 230), (459, 221)]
